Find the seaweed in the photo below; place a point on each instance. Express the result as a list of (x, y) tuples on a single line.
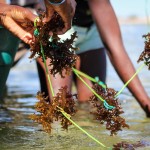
[(145, 55), (63, 58), (127, 146), (48, 112), (61, 52), (111, 117)]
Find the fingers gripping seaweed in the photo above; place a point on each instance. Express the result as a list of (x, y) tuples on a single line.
[(61, 53)]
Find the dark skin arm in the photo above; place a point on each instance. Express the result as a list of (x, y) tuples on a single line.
[(109, 30), (19, 20)]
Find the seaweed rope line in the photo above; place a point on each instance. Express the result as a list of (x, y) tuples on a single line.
[(96, 79), (106, 105), (125, 85), (69, 118), (36, 33)]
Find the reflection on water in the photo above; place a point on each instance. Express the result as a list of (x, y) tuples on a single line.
[(18, 132)]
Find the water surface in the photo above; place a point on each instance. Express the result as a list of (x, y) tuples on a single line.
[(18, 132)]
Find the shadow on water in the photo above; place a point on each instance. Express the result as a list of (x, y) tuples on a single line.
[(18, 132)]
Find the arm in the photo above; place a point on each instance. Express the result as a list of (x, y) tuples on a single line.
[(17, 20), (3, 1), (66, 10), (108, 27)]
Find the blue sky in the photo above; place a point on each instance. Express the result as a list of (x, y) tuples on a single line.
[(127, 8)]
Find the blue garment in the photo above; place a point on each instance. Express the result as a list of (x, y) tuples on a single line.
[(8, 47)]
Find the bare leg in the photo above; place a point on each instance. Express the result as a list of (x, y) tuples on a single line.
[(83, 92), (92, 63), (57, 81)]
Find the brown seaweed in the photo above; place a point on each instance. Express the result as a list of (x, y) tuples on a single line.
[(111, 117), (48, 112), (145, 55), (127, 146), (61, 52)]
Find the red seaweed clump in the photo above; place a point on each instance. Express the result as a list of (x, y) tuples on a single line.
[(61, 52), (111, 117), (48, 112), (145, 55)]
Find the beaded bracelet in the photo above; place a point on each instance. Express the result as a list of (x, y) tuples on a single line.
[(56, 3)]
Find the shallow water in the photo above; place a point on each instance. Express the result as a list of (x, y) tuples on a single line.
[(18, 132)]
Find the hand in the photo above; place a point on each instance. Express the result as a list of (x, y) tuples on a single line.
[(104, 15), (146, 107), (65, 10), (18, 20)]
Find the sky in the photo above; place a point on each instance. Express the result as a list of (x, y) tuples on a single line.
[(126, 8)]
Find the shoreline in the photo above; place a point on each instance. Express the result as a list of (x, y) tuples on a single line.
[(133, 20)]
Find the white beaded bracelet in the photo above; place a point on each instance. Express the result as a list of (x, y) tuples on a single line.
[(56, 4)]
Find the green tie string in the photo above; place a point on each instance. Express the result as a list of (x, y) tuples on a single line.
[(126, 84), (96, 80)]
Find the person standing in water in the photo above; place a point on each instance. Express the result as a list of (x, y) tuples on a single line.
[(98, 33)]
